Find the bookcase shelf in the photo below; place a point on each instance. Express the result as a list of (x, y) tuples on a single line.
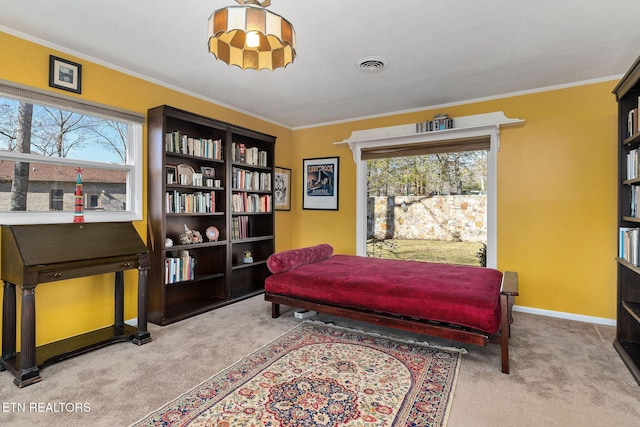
[(627, 342), (192, 161), (633, 139)]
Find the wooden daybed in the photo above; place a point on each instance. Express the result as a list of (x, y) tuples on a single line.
[(463, 303)]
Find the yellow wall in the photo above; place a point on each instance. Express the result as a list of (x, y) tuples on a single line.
[(72, 307), (556, 189), (556, 194)]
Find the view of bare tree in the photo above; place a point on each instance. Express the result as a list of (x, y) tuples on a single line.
[(112, 135), (446, 173), (48, 131), (20, 184)]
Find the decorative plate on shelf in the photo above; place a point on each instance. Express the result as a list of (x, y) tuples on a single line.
[(212, 233), (186, 171)]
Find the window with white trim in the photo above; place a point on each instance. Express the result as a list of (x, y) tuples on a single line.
[(46, 140), (480, 131)]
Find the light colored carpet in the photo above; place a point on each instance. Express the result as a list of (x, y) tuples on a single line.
[(563, 373)]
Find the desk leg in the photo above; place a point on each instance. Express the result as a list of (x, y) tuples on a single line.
[(142, 336), (8, 322), (29, 372), (119, 299)]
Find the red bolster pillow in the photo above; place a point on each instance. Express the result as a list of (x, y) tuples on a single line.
[(292, 258)]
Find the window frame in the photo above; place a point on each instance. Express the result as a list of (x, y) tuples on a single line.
[(53, 199), (132, 166), (476, 129)]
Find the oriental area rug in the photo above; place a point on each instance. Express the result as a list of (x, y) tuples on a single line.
[(322, 375)]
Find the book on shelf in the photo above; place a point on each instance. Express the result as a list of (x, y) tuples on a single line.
[(635, 200), (179, 269), (248, 202), (632, 122), (240, 227), (628, 244), (439, 122), (242, 179), (176, 142), (251, 156), (197, 202), (633, 164)]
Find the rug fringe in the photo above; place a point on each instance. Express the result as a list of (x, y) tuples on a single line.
[(460, 350)]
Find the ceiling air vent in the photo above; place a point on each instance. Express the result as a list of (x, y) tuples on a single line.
[(372, 64)]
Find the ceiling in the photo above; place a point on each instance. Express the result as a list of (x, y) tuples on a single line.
[(439, 52)]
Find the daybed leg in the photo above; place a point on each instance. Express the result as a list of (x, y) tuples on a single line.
[(275, 310), (505, 331)]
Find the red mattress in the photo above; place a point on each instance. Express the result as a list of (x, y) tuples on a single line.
[(462, 295)]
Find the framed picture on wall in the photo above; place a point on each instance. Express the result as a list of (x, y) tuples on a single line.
[(282, 189), (65, 75), (320, 183)]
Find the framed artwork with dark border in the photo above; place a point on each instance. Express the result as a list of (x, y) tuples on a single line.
[(64, 74), (282, 189), (320, 186)]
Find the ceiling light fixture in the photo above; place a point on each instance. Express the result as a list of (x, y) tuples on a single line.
[(250, 36)]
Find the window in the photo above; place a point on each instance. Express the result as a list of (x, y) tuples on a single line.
[(428, 207), (92, 201), (478, 132), (56, 199), (46, 140)]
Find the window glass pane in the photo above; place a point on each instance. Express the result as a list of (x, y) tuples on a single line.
[(52, 187), (59, 133), (45, 139), (428, 208)]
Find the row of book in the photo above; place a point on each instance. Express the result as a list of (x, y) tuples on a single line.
[(240, 227), (176, 142), (633, 164), (635, 201), (250, 180), (439, 122), (628, 245), (179, 269), (246, 202), (632, 121), (248, 155), (198, 202)]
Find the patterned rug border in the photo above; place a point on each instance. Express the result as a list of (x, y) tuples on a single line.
[(328, 325)]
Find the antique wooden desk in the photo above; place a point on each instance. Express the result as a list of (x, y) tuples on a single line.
[(33, 254)]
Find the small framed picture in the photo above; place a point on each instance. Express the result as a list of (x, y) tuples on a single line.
[(320, 185), (208, 172), (282, 189), (65, 75), (171, 171)]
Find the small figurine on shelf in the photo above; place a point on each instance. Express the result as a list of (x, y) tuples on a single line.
[(78, 211), (247, 259), (190, 236)]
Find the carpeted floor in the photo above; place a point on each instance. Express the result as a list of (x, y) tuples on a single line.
[(563, 373)]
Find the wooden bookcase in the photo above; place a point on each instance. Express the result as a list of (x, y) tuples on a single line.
[(627, 341), (213, 273)]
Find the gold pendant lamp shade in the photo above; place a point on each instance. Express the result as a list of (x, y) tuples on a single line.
[(250, 36)]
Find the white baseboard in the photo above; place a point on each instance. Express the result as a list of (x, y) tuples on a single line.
[(132, 322), (563, 315)]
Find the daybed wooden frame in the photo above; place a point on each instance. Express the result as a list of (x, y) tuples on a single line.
[(508, 292)]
